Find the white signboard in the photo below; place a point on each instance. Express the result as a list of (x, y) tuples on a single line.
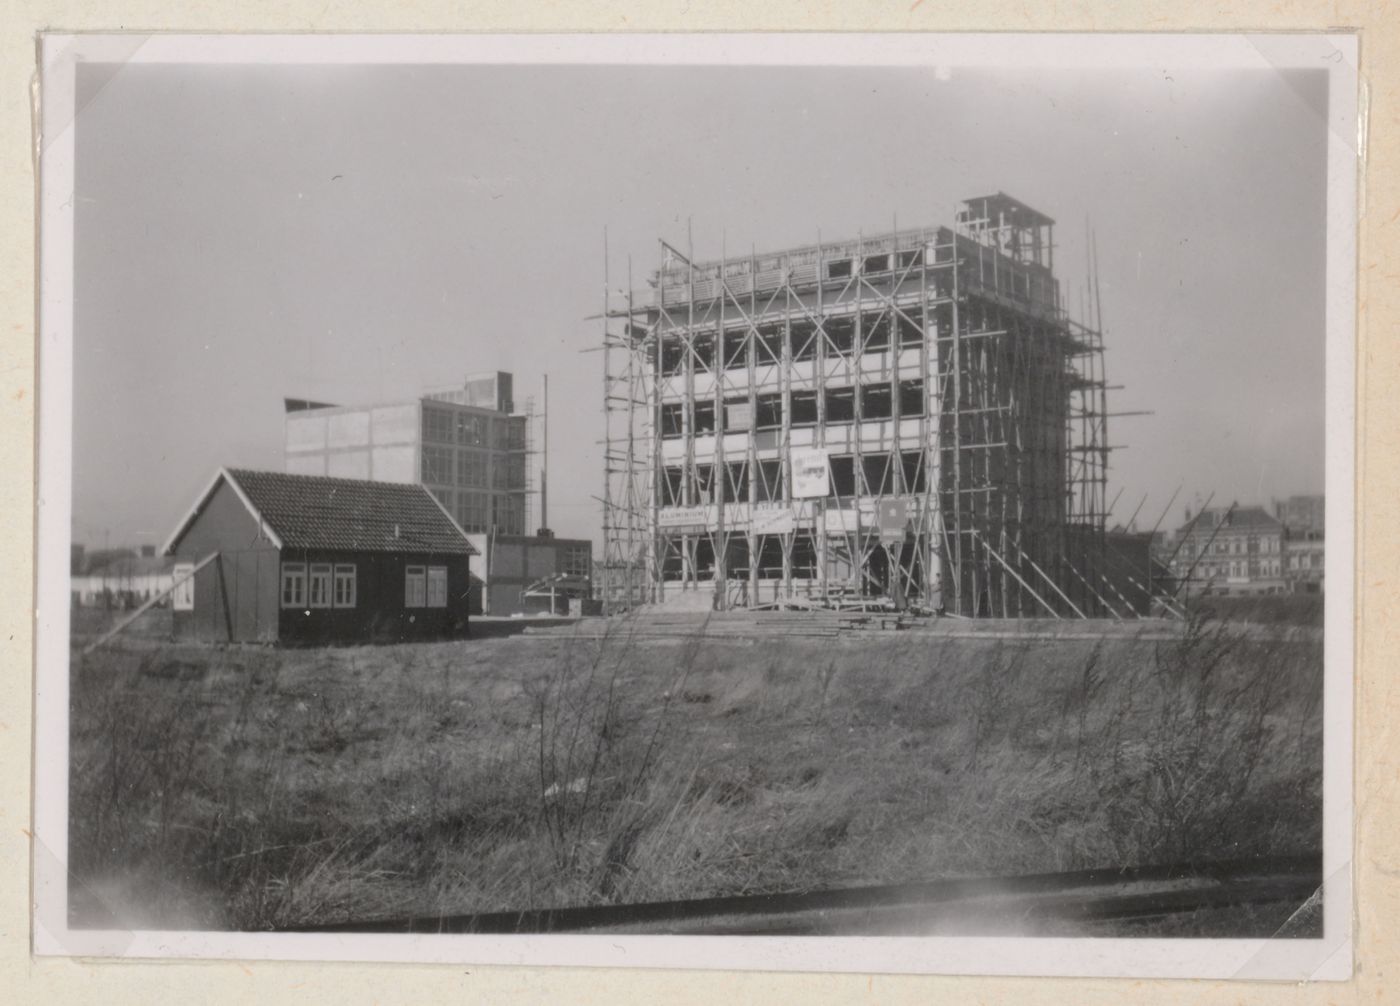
[(811, 473), (738, 417), (772, 520), (669, 518)]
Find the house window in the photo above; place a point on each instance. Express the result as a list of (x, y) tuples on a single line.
[(877, 334), (471, 430), (471, 469), (438, 425), (508, 514), (875, 401), (293, 584), (770, 481), (182, 598), (672, 419), (912, 463), (669, 485), (672, 355), (415, 587), (437, 465), (437, 586), (804, 341), (345, 586), (577, 560), (704, 417), (911, 331), (515, 472), (911, 398), (843, 476), (319, 592), (738, 488), (804, 408), (770, 411), (840, 405)]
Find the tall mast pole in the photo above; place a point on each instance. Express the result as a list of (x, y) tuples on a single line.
[(544, 461)]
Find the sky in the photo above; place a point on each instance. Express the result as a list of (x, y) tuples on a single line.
[(356, 234)]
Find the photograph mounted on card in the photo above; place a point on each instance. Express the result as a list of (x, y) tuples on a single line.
[(604, 499)]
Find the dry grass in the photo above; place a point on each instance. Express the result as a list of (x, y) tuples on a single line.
[(247, 788)]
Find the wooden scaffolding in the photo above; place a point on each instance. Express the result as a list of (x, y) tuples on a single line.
[(960, 412)]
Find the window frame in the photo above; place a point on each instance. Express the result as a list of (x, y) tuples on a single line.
[(294, 574), (344, 573), (182, 594), (320, 574), (435, 587), (577, 560), (415, 586)]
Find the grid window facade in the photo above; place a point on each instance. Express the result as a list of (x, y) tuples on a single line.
[(472, 431), (473, 512), (438, 425), (471, 469), (437, 465), (577, 560)]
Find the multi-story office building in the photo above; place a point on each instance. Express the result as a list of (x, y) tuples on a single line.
[(910, 415), (467, 445)]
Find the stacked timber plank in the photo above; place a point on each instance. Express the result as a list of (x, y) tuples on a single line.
[(725, 624)]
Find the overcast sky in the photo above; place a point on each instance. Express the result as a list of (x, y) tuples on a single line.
[(356, 234)]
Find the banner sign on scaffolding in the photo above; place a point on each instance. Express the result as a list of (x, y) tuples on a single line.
[(892, 519), (772, 520), (811, 473)]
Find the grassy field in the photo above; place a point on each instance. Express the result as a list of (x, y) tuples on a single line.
[(247, 787)]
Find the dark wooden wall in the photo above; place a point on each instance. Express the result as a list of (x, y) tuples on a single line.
[(237, 598), (379, 615)]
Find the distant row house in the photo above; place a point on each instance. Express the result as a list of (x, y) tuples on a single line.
[(118, 578), (1247, 550)]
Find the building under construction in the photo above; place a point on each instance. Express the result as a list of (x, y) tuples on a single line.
[(911, 418)]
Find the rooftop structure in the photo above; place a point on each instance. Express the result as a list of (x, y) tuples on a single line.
[(911, 416), (1303, 516)]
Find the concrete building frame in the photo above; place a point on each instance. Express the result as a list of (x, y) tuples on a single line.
[(959, 412)]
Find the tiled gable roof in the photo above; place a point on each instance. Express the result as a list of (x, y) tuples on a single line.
[(1242, 518), (315, 512)]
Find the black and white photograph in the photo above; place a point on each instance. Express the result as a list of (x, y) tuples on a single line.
[(814, 502)]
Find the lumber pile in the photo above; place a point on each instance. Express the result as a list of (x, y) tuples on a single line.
[(725, 624)]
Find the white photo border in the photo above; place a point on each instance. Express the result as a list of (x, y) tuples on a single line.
[(1328, 958)]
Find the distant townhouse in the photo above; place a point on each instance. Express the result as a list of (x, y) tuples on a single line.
[(1305, 524), (119, 578), (1231, 550)]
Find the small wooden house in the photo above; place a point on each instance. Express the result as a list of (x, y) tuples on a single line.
[(308, 559)]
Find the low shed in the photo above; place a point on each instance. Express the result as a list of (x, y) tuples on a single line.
[(308, 559)]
